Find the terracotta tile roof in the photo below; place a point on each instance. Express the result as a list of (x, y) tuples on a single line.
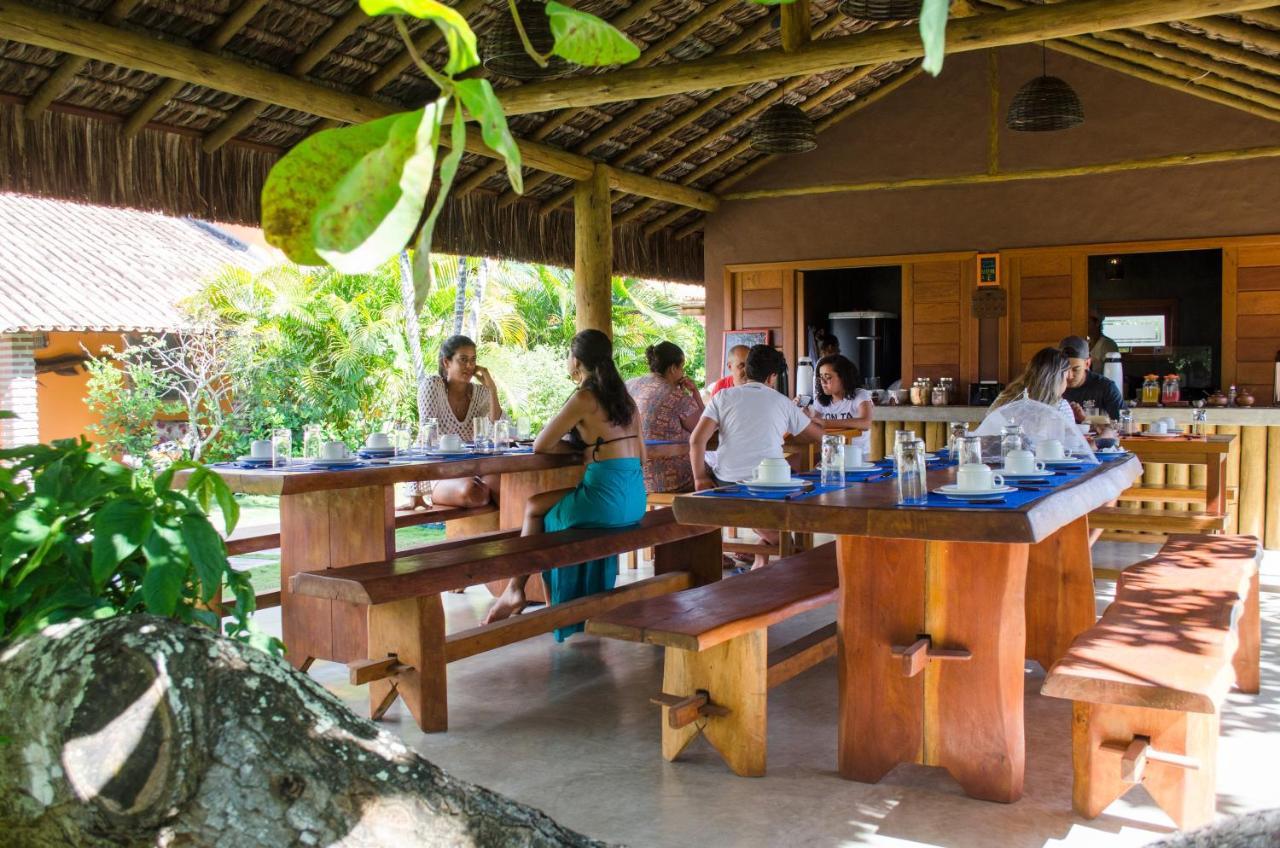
[(66, 266)]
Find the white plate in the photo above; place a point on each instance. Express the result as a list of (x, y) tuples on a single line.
[(1009, 475), (793, 483), (329, 463), (1067, 460), (443, 452), (378, 451), (951, 490), (858, 469)]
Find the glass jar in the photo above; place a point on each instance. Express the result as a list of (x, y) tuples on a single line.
[(1126, 421), (1151, 389), (1171, 391), (940, 396)]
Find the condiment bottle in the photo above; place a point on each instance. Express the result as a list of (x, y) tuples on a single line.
[(1151, 389)]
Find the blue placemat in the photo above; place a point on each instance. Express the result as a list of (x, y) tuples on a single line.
[(739, 491), (1046, 485), (875, 476)]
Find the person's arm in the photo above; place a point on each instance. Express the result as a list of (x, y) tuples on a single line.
[(1113, 401), (486, 380), (811, 434), (698, 439), (690, 419), (1077, 411), (551, 438)]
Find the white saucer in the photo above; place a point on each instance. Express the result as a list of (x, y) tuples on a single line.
[(256, 460), (443, 452), (951, 490), (858, 469), (765, 485), (1066, 460), (326, 463), (377, 451), (1009, 475)]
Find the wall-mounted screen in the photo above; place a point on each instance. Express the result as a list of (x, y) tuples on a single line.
[(1136, 330)]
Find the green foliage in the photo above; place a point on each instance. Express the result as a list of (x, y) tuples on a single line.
[(85, 537), (587, 40), (481, 101), (458, 36), (933, 33), (532, 383), (127, 394)]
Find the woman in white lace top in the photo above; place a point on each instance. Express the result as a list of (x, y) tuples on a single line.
[(455, 401)]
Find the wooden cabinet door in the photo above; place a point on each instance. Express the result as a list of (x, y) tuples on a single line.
[(765, 300), (1048, 299), (1251, 318), (939, 333)]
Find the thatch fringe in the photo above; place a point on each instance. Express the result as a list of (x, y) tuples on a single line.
[(84, 159)]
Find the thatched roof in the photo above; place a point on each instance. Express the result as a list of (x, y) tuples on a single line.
[(76, 148)]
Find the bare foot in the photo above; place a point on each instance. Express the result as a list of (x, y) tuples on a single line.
[(761, 562), (509, 603)]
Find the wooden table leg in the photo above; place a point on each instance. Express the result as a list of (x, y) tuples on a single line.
[(965, 716), (1216, 484), (330, 529), (1060, 600)]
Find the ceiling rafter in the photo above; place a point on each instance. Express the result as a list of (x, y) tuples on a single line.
[(651, 54), (1214, 48), (1236, 31), (71, 66)]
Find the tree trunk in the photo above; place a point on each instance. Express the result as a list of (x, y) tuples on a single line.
[(460, 299), (139, 730), (477, 300), (413, 334)]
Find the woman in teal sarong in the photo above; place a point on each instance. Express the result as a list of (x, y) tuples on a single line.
[(601, 420)]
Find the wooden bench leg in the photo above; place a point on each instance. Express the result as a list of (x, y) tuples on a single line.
[(735, 676), (700, 556), (1249, 632), (1100, 735), (413, 630)]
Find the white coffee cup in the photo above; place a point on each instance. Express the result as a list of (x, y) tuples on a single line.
[(976, 477), (1158, 427), (378, 441), (853, 457), (450, 442), (1169, 424), (260, 449), (1050, 449), (1022, 462), (773, 470), (333, 450)]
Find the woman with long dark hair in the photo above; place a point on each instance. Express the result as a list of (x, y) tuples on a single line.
[(840, 401), (600, 419), (670, 407), (455, 401)]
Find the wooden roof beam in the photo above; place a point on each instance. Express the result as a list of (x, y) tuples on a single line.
[(1220, 50), (1236, 31), (168, 88), (797, 25), (1041, 23), (651, 55), (246, 113), (71, 66), (93, 40)]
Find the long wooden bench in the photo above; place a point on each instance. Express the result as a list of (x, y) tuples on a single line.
[(1149, 679), (408, 646), (718, 668)]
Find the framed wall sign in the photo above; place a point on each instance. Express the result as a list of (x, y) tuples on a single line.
[(733, 338), (988, 269)]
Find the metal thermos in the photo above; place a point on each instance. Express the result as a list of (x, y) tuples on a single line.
[(1113, 370), (804, 378)]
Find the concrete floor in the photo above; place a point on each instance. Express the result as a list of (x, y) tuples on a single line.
[(568, 729)]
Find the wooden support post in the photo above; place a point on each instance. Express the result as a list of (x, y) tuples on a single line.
[(593, 252), (1248, 656), (1253, 480), (1271, 519), (797, 25), (734, 676)]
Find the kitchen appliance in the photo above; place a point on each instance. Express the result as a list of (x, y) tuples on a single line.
[(804, 380), (984, 392), (1113, 370), (871, 341)]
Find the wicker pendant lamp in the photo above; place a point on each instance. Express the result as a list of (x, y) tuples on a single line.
[(783, 128), (1045, 104), (504, 54), (881, 10)]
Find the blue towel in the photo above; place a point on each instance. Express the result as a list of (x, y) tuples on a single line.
[(611, 494)]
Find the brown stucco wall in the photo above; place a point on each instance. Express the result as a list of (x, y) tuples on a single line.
[(937, 127)]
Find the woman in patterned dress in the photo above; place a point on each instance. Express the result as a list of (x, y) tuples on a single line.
[(455, 401), (670, 407)]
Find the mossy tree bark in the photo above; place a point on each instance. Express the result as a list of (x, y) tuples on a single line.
[(142, 731)]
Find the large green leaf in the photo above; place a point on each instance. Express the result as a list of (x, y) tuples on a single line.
[(166, 570), (588, 40), (119, 529), (207, 553), (373, 210), (458, 36), (933, 33), (304, 178), (448, 168), (479, 98)]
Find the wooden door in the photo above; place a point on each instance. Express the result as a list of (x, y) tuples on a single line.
[(939, 333), (1251, 318), (764, 300), (1048, 299)]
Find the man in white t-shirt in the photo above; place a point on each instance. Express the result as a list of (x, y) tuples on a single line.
[(752, 420)]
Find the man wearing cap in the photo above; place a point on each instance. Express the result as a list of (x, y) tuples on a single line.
[(1085, 385)]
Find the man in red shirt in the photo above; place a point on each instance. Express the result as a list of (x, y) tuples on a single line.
[(737, 367)]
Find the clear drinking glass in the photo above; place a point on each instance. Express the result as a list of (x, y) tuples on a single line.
[(956, 431), (281, 447), (481, 430), (402, 437), (501, 435), (911, 480), (1199, 417), (832, 468), (524, 427), (902, 437), (429, 435), (312, 439), (1011, 439), (968, 450)]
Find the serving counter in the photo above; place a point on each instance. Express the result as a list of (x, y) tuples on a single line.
[(1253, 466)]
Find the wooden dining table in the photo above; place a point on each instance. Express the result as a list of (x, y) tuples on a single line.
[(331, 519), (939, 609), (1210, 451)]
